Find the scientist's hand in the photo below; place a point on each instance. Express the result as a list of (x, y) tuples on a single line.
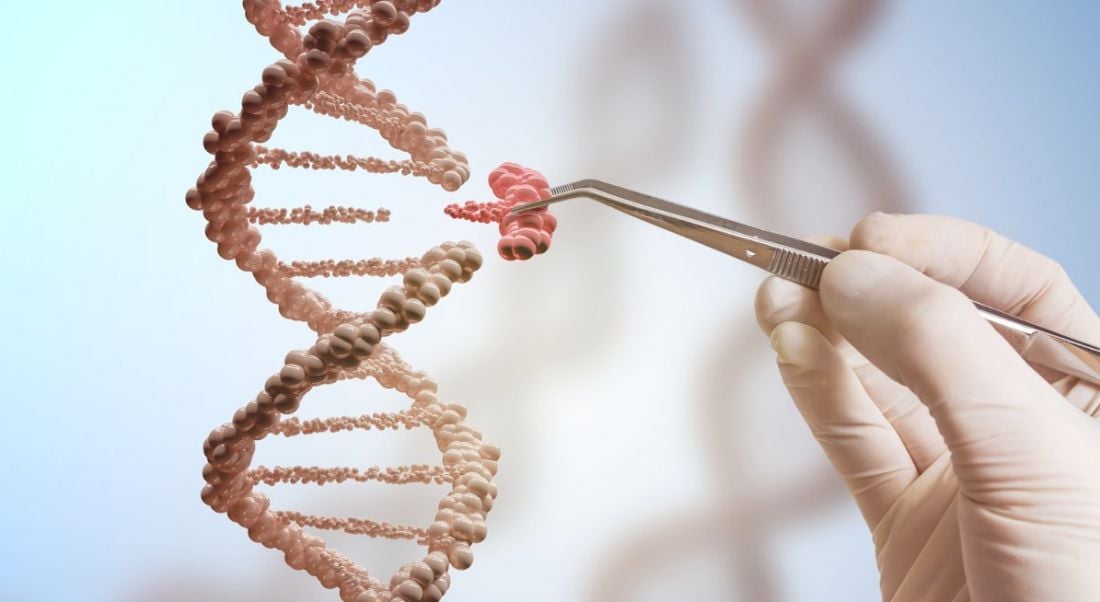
[(978, 477)]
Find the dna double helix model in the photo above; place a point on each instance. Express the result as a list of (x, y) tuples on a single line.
[(317, 74)]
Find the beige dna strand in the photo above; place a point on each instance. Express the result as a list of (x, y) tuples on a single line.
[(317, 74)]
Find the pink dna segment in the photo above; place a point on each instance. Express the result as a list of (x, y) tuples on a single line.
[(524, 235), (318, 75)]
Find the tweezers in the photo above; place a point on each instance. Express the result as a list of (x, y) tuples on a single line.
[(802, 262)]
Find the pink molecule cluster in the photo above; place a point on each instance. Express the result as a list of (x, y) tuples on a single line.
[(522, 235)]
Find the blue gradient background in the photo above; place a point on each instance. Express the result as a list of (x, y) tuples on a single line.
[(127, 338)]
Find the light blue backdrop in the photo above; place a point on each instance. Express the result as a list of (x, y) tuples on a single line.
[(126, 339)]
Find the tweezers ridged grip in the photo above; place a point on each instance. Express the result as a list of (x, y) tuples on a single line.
[(803, 269)]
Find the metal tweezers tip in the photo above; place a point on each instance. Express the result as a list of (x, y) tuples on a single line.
[(555, 191)]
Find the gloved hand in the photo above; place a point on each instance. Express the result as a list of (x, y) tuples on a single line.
[(978, 477)]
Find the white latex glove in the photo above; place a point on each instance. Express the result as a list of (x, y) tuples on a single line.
[(979, 479)]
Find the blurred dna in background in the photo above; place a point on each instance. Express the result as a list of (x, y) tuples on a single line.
[(805, 159)]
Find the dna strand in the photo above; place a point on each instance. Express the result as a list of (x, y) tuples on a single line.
[(642, 60), (744, 515), (317, 74), (802, 82)]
